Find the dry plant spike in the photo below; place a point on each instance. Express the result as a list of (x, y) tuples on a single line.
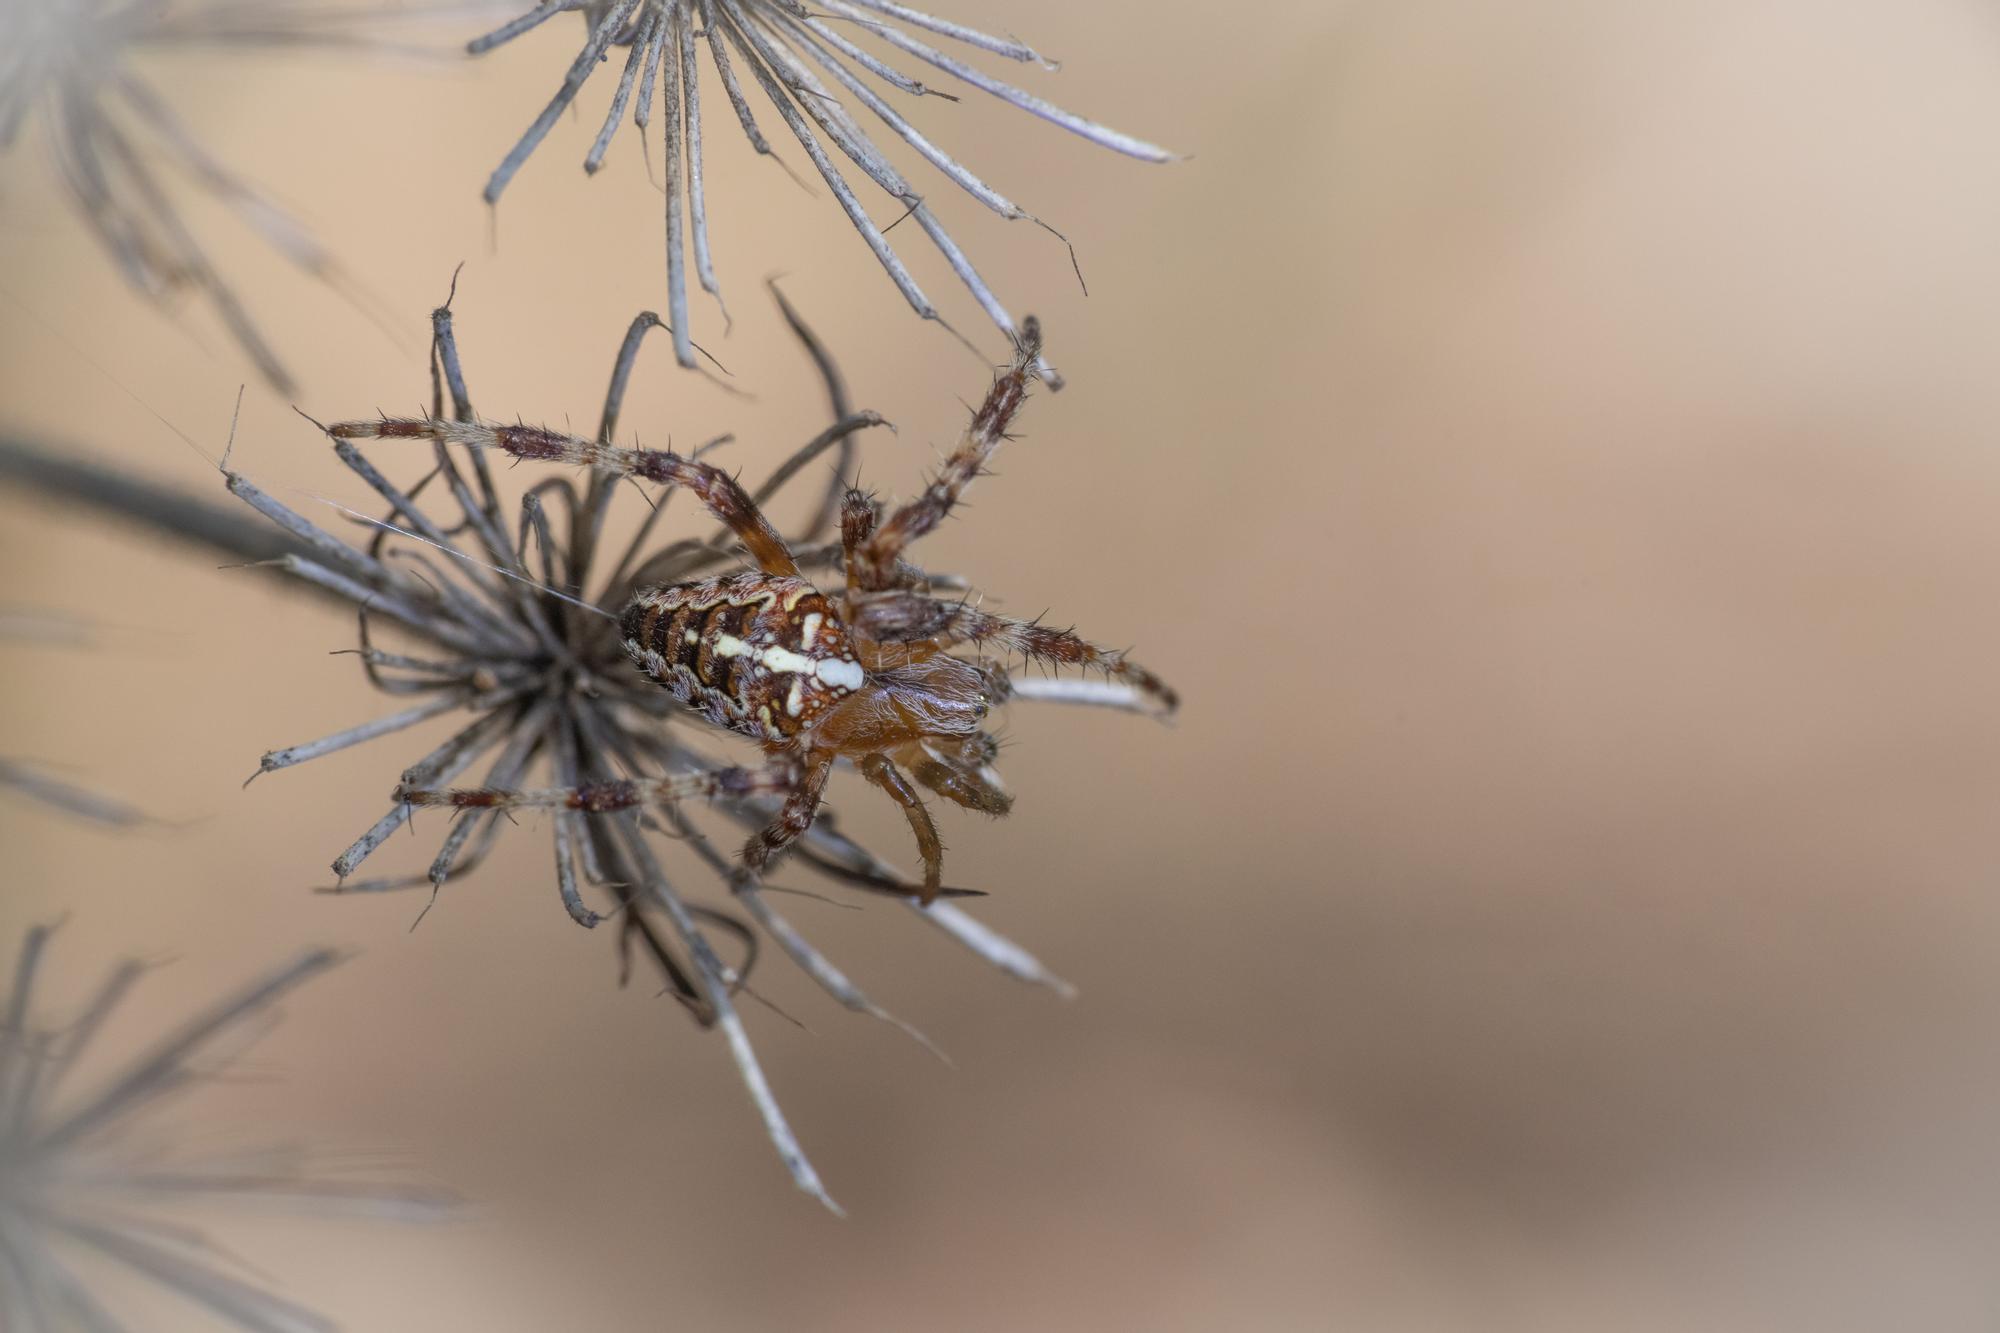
[(80, 1190), (31, 781), (74, 66), (785, 47), (528, 630)]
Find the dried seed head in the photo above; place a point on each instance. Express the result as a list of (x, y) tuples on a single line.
[(813, 65)]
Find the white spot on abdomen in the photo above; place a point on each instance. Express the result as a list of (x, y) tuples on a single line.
[(786, 662), (842, 672)]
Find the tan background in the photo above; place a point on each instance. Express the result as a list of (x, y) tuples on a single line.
[(1552, 447)]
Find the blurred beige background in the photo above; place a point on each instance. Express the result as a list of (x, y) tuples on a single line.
[(1553, 448)]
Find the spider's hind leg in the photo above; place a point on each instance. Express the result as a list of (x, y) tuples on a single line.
[(715, 488)]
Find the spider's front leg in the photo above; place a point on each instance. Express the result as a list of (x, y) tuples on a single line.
[(859, 513), (715, 488), (923, 625), (872, 559)]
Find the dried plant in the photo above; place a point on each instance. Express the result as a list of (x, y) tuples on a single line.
[(76, 65), (79, 1183), (517, 644), (779, 43)]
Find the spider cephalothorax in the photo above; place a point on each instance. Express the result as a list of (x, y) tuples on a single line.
[(864, 674)]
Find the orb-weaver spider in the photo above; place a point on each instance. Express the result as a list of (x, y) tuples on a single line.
[(865, 674)]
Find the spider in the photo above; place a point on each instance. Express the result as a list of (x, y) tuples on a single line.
[(865, 674)]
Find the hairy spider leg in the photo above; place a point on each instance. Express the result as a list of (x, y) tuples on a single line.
[(884, 774), (711, 485), (859, 513), (960, 770), (796, 816), (599, 798), (923, 625), (872, 561)]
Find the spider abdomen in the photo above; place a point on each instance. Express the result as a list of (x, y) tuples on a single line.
[(760, 654)]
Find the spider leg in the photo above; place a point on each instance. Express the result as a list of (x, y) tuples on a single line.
[(796, 815), (872, 564), (859, 514), (885, 775), (924, 626), (597, 798), (960, 770), (711, 485)]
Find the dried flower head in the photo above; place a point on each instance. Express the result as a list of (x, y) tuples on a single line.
[(785, 47), (75, 64), (80, 1189), (521, 642)]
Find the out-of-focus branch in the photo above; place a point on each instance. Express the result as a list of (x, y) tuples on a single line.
[(72, 476)]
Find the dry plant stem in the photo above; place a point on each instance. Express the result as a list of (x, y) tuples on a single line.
[(75, 1178), (780, 44), (67, 474), (809, 960), (721, 1012)]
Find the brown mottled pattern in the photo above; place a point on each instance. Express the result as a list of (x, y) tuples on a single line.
[(681, 636)]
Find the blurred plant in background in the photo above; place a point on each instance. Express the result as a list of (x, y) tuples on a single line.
[(80, 1185), (75, 65), (32, 780), (779, 42)]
